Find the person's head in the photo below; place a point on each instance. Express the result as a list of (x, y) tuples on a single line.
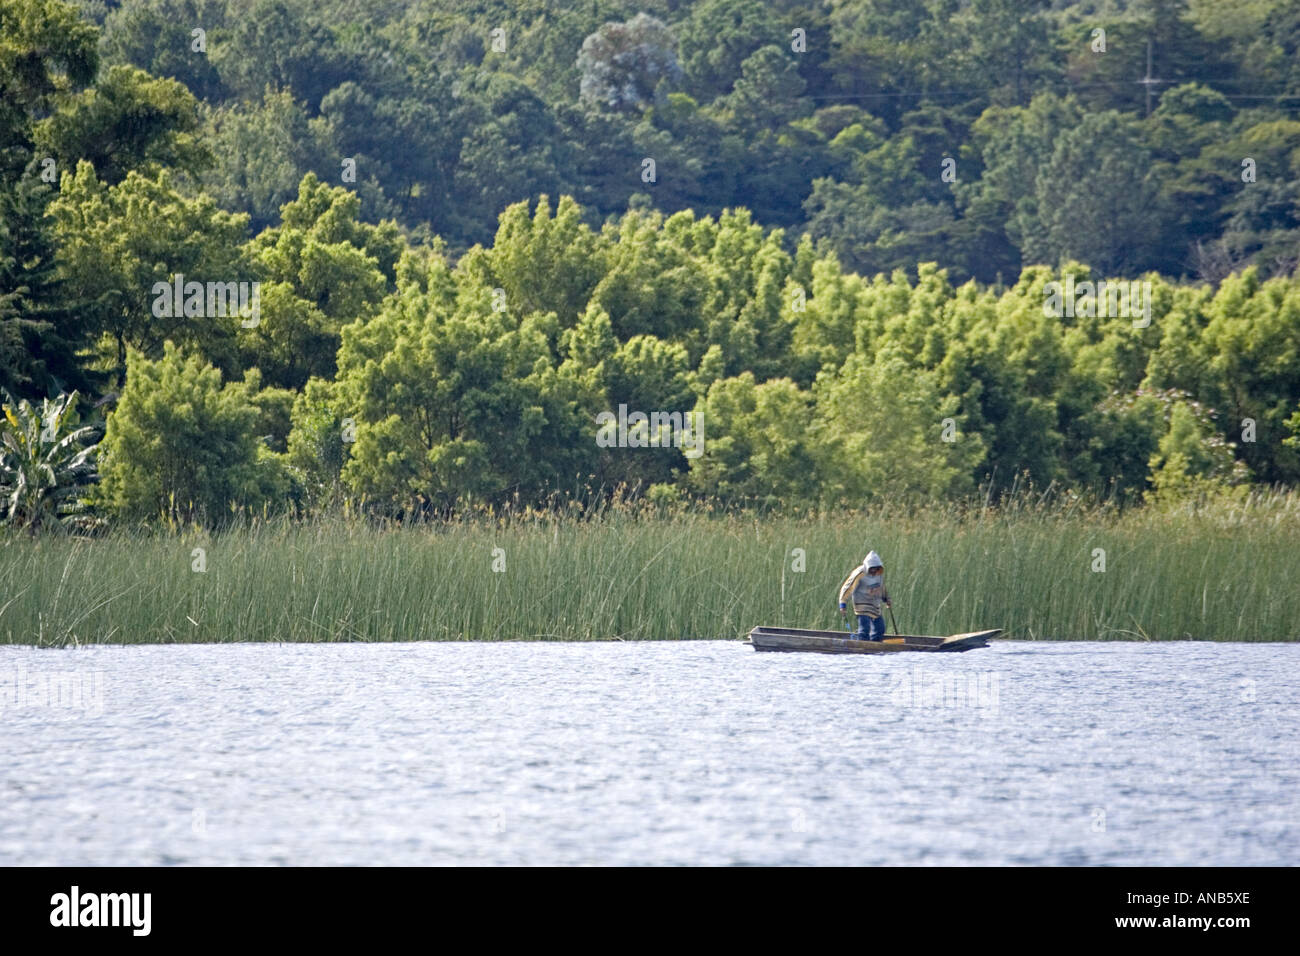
[(873, 564)]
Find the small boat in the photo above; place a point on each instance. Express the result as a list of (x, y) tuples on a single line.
[(840, 642)]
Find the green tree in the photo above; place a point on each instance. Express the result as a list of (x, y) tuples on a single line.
[(718, 36), (893, 205), (263, 151), (823, 331), (118, 242), (47, 461), (1007, 362), (652, 283), (46, 51), (1192, 460), (998, 206), (511, 151), (768, 94), (318, 443), (886, 430), (1263, 217), (1293, 426), (1003, 43), (1097, 200), (1111, 452), (1259, 40), (546, 262), (1237, 351), (42, 332), (128, 120), (321, 269), (282, 45), (157, 36), (759, 444), (181, 444), (404, 147), (453, 399)]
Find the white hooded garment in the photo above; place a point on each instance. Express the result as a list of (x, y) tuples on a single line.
[(866, 596)]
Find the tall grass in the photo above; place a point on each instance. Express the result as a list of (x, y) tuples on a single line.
[(1229, 572)]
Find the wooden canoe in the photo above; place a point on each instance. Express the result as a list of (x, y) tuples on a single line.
[(839, 642)]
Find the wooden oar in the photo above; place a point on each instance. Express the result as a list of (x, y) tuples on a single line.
[(891, 617)]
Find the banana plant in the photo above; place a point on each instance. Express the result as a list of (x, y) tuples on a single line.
[(46, 462)]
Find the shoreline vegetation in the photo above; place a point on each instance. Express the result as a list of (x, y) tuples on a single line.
[(448, 261), (1039, 567)]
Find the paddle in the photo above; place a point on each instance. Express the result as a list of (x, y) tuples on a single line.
[(891, 617)]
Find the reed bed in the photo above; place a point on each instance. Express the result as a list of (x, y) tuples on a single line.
[(1228, 572)]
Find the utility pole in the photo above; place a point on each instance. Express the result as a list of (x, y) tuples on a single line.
[(1149, 81)]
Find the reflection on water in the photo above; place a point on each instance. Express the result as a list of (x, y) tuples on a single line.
[(659, 753)]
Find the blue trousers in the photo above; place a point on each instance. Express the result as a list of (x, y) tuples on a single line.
[(870, 628)]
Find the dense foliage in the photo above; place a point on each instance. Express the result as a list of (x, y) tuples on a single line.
[(630, 571), (46, 463), (833, 118), (831, 228)]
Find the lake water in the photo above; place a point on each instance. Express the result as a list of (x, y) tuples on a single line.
[(649, 753)]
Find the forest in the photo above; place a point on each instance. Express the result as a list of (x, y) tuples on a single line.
[(834, 234)]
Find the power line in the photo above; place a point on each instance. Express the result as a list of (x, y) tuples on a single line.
[(1069, 89)]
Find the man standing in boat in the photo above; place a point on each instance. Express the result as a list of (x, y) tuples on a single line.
[(866, 583)]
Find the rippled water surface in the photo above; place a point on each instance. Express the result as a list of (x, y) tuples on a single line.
[(659, 753)]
